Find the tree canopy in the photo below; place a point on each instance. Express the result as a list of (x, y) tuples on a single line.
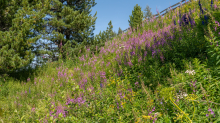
[(16, 45), (148, 14), (24, 22), (136, 17), (119, 31)]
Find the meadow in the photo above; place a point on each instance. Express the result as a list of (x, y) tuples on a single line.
[(165, 71)]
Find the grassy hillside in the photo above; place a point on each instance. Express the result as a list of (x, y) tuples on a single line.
[(161, 72)]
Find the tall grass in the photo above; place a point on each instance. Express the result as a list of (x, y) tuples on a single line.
[(165, 71)]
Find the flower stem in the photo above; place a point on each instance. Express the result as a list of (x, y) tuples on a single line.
[(181, 110)]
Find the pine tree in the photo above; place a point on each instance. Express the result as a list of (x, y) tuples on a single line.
[(115, 34), (120, 31), (100, 40), (76, 34), (6, 15), (76, 26), (40, 26), (136, 17), (15, 44), (148, 14), (109, 32)]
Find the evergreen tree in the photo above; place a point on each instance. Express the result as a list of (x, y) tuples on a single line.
[(73, 22), (100, 40), (76, 34), (115, 34), (136, 17), (102, 37), (120, 31), (66, 22), (15, 44), (7, 14), (109, 32), (148, 14)]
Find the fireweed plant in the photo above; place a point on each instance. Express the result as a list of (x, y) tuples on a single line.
[(165, 71)]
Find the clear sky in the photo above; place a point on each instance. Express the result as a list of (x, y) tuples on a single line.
[(118, 11)]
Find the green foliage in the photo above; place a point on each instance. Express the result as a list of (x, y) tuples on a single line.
[(148, 14), (101, 38), (119, 31), (136, 17), (109, 31), (15, 45), (77, 25), (150, 90)]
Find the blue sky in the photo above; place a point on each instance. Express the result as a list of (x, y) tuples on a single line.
[(118, 11)]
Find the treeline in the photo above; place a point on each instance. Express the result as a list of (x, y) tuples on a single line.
[(24, 22)]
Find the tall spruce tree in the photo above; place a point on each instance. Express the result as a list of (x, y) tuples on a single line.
[(77, 35), (119, 31), (136, 17), (109, 32), (148, 14), (100, 40), (71, 25), (102, 37), (15, 44), (75, 20), (115, 33), (7, 14)]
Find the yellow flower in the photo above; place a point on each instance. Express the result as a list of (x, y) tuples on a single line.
[(71, 71), (158, 114), (179, 116), (123, 103), (192, 97), (147, 117), (138, 120), (111, 106)]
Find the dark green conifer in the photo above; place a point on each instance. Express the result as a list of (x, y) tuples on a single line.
[(136, 17), (119, 31), (15, 44), (72, 25), (109, 32)]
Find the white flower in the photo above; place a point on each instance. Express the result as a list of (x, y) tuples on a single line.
[(190, 72), (157, 114), (182, 95), (121, 47)]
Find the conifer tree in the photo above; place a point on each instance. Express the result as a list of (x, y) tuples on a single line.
[(66, 22), (119, 31), (15, 44), (148, 14), (102, 37), (7, 14), (73, 22), (109, 32), (136, 17), (100, 40), (114, 33), (75, 34)]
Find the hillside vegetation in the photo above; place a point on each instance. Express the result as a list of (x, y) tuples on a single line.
[(165, 71)]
